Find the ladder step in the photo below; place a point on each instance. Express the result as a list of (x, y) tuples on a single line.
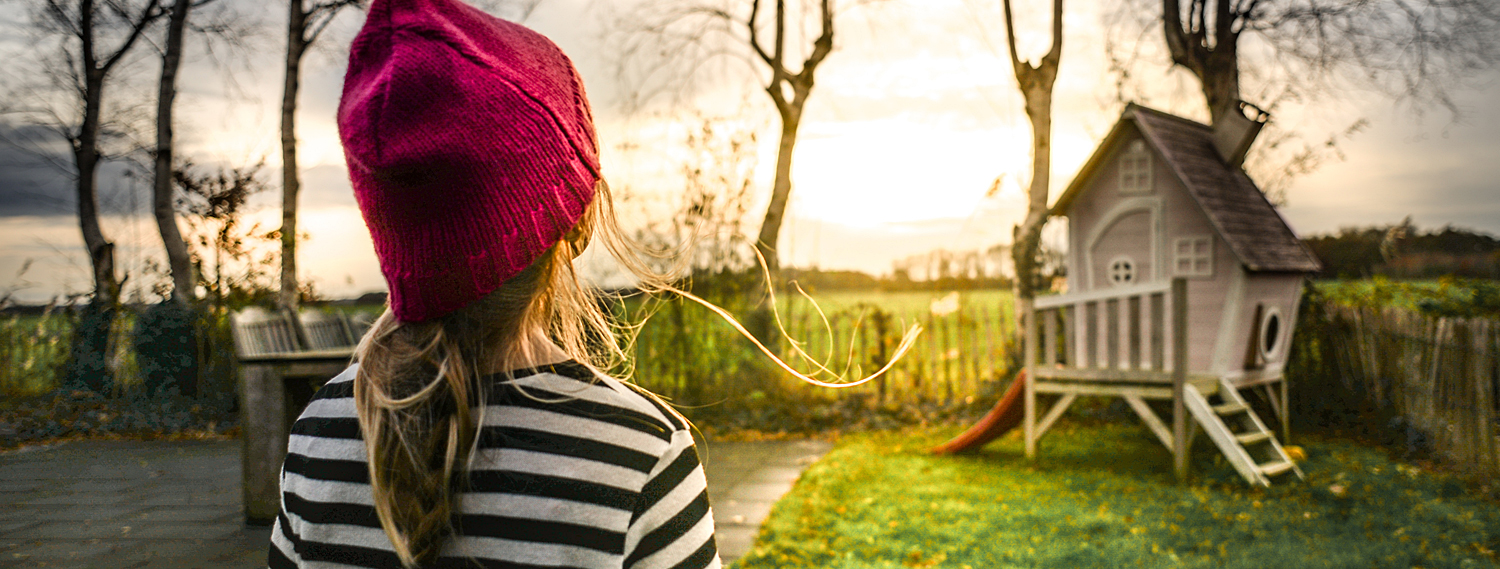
[(1274, 468), (1207, 387), (1230, 409), (1252, 438)]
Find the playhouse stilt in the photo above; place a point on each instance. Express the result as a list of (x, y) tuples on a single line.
[(1179, 378), (1028, 315)]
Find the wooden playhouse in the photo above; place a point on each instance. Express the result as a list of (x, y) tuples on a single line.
[(1184, 283)]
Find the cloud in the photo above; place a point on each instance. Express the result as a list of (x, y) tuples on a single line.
[(36, 178), (326, 186)]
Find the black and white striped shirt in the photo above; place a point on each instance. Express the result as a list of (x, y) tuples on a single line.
[(592, 475)]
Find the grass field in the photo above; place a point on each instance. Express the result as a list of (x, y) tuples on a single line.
[(905, 302), (689, 354), (1104, 496)]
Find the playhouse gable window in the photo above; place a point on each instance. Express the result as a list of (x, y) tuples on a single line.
[(1193, 256), (1135, 168)]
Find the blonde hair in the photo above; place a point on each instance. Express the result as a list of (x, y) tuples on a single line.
[(418, 382)]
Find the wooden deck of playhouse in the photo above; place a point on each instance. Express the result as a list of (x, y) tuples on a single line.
[(1131, 342)]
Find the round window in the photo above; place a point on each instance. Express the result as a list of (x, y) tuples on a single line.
[(1122, 271), (1270, 332)]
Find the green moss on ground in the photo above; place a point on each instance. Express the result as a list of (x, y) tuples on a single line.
[(1104, 496)]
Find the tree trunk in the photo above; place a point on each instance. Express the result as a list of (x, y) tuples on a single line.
[(1035, 83), (770, 228), (1220, 79), (290, 183), (184, 287), (86, 154), (1216, 66), (1028, 235), (89, 362), (88, 359)]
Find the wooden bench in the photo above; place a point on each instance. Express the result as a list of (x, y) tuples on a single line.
[(283, 361)]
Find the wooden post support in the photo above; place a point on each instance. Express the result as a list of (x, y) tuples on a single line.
[(263, 408), (1286, 408), (1028, 313), (1179, 377)]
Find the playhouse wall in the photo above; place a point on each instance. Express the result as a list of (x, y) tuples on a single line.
[(1103, 224), (1278, 292)]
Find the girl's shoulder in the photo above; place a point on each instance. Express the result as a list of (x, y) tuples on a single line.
[(573, 384), (568, 387)]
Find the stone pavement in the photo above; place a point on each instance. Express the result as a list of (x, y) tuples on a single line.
[(745, 480), (177, 504)]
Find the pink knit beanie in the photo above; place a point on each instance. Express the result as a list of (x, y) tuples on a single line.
[(470, 147)]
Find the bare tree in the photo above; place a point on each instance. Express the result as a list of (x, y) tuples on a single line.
[(789, 108), (1412, 50), (1035, 82), (221, 29), (686, 34), (304, 25), (95, 39), (83, 75), (178, 260), (1274, 52)]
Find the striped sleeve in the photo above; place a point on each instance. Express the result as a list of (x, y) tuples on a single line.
[(283, 553), (672, 526)]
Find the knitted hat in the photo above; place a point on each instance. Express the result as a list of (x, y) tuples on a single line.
[(470, 147)]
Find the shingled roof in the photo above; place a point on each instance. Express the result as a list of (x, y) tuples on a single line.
[(1235, 206)]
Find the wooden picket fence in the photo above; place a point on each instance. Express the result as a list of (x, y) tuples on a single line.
[(698, 360), (955, 353), (1440, 376)]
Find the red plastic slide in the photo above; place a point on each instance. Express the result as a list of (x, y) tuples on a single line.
[(1006, 415)]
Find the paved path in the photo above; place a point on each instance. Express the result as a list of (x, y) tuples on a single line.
[(177, 505)]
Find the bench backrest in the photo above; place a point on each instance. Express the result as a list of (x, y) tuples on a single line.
[(324, 330), (259, 332)]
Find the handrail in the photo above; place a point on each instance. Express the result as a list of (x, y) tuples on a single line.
[(1055, 301)]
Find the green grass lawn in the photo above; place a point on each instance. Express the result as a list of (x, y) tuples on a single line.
[(1104, 496)]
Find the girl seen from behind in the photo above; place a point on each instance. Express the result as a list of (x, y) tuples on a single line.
[(474, 429)]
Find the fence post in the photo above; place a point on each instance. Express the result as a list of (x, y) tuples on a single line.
[(1479, 376), (1485, 386), (944, 352)]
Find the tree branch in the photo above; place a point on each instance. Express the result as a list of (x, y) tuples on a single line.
[(322, 14), (1010, 39), (779, 50), (1054, 55), (822, 46), (754, 36), (149, 13)]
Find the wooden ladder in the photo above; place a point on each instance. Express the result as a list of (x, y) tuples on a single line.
[(1238, 432)]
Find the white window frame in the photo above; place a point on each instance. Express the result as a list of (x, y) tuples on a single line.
[(1135, 271), (1269, 352), (1135, 168), (1186, 252)]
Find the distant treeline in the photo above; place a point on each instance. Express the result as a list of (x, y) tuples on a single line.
[(1403, 251)]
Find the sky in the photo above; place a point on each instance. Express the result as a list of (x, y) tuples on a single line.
[(912, 120)]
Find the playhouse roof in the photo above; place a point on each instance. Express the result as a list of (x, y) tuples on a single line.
[(1235, 206)]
